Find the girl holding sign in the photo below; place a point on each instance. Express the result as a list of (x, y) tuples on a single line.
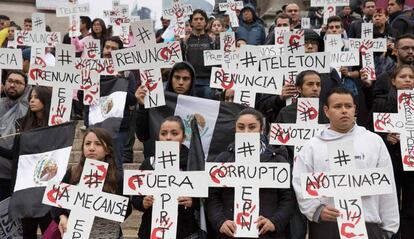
[(37, 116), (276, 205), (97, 144), (171, 129)]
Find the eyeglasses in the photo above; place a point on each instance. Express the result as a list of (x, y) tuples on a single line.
[(15, 82), (406, 48)]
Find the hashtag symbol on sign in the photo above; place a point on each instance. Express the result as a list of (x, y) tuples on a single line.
[(246, 149)]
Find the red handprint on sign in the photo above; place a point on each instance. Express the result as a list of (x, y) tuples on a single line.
[(244, 214), (346, 228), (279, 133), (307, 111), (312, 186), (164, 225)]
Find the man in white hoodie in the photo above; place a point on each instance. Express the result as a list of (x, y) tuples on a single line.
[(380, 211)]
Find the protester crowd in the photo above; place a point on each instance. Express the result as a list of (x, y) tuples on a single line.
[(347, 100)]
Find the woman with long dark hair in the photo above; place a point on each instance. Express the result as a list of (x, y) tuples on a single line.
[(98, 32), (96, 144), (37, 116)]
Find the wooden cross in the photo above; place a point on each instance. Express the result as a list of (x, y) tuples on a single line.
[(333, 45), (346, 193), (227, 56), (63, 77), (177, 14), (305, 128), (166, 183), (91, 67), (231, 6), (401, 123), (86, 200), (149, 57), (73, 10), (246, 186), (367, 46)]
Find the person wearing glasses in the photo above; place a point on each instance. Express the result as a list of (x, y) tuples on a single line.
[(12, 107)]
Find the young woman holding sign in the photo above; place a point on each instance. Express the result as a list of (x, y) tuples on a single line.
[(96, 144), (276, 205), (171, 129), (37, 116), (401, 79)]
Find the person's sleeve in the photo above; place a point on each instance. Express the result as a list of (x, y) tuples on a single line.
[(3, 35), (308, 207), (351, 31), (6, 153), (142, 124), (285, 209), (388, 203), (131, 100), (270, 39), (400, 27), (215, 211), (263, 36)]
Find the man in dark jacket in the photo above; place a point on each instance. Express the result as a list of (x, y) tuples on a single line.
[(193, 49), (251, 27), (399, 22), (368, 8), (405, 55)]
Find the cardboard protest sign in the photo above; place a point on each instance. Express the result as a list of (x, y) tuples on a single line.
[(9, 228), (165, 192), (178, 14), (86, 200), (231, 6), (367, 45), (227, 56), (294, 42), (73, 11), (400, 123), (63, 77), (305, 128), (351, 183), (245, 83), (246, 184), (10, 59), (149, 58)]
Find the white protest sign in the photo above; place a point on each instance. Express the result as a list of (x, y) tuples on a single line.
[(38, 22), (91, 48), (305, 128), (73, 11), (9, 228), (347, 184), (323, 3), (10, 59), (305, 23), (294, 42), (166, 192), (338, 58), (401, 123), (63, 77), (227, 56), (367, 46), (280, 37), (231, 6), (86, 201), (178, 14), (246, 186), (245, 83), (148, 56), (29, 38)]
